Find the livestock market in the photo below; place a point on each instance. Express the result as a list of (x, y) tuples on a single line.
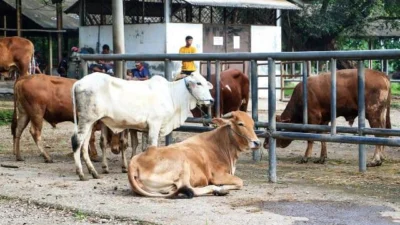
[(207, 108)]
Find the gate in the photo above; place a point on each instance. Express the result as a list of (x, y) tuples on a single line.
[(272, 127)]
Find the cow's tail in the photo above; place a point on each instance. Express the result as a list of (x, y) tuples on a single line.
[(136, 184), (388, 123), (74, 108)]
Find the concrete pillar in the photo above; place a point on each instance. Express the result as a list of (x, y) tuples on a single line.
[(118, 34), (278, 18)]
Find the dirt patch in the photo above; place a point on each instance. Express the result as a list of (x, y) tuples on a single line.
[(333, 184)]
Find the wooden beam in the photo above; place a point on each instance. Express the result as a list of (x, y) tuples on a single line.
[(19, 14), (59, 27)]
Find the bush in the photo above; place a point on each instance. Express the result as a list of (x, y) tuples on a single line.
[(6, 116)]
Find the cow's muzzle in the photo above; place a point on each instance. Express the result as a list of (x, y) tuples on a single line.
[(255, 144)]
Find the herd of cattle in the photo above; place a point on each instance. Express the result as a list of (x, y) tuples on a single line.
[(202, 164)]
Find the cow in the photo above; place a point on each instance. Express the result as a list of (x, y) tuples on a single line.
[(16, 55), (155, 106), (42, 97), (118, 143), (200, 165), (234, 88), (377, 106)]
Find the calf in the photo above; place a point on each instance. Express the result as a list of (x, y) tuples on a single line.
[(16, 55), (200, 165), (377, 106)]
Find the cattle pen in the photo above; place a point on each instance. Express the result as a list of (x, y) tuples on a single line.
[(280, 130)]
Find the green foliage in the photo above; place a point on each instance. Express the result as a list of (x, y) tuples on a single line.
[(80, 215), (5, 117), (395, 88), (321, 22)]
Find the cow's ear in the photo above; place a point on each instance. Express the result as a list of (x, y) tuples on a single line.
[(210, 86), (220, 122)]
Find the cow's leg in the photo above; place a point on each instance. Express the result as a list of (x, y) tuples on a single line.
[(378, 157), (134, 142), (124, 145), (154, 131), (86, 157), (307, 154), (103, 146), (22, 122), (324, 154), (227, 181), (92, 147), (36, 131), (145, 141), (80, 141)]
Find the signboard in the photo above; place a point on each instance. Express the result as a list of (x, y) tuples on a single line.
[(218, 41), (236, 42)]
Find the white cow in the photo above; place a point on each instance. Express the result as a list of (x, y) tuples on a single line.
[(155, 106)]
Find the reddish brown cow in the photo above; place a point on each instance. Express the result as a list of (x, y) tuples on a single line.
[(377, 105), (16, 54), (41, 97), (234, 92)]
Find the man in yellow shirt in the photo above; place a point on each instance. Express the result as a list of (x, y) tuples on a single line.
[(188, 66)]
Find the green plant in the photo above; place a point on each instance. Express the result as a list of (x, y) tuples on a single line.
[(6, 116), (80, 215)]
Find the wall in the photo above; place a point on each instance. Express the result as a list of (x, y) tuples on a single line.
[(176, 33), (266, 39), (139, 38)]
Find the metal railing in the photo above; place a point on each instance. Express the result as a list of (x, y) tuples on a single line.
[(272, 126)]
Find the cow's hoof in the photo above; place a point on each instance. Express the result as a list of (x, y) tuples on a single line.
[(95, 175), (48, 160), (95, 159), (124, 170), (83, 178), (374, 163), (221, 192), (303, 160), (321, 160), (20, 159)]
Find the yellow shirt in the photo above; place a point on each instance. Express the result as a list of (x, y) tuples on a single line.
[(188, 65)]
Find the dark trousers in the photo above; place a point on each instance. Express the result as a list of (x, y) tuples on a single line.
[(187, 72)]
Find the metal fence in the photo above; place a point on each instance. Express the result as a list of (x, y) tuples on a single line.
[(272, 126)]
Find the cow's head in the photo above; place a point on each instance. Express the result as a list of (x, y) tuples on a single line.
[(119, 142), (199, 88), (281, 143), (242, 129), (8, 71)]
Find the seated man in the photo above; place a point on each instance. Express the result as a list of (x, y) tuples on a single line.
[(140, 72), (103, 66)]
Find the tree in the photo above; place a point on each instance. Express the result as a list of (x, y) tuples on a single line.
[(321, 22)]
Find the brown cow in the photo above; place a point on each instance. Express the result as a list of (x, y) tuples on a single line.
[(234, 92), (377, 105), (197, 165), (16, 54), (41, 97), (118, 143)]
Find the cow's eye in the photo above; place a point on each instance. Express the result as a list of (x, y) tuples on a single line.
[(241, 124), (198, 83)]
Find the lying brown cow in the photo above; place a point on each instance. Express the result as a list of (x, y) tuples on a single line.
[(377, 105), (41, 97), (197, 165), (16, 54), (234, 92)]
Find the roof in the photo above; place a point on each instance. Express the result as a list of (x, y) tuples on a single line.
[(45, 14), (270, 4), (378, 28)]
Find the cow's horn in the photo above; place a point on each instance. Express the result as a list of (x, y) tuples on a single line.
[(227, 116)]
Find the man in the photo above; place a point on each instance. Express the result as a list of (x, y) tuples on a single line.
[(103, 66), (38, 62), (140, 72), (63, 65), (188, 66)]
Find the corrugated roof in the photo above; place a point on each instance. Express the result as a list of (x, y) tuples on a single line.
[(45, 15), (270, 4)]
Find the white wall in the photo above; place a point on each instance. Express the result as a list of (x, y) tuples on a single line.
[(176, 33), (266, 39), (139, 38)]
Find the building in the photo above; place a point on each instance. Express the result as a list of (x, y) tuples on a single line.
[(217, 26)]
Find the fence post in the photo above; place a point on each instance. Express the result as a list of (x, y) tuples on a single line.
[(362, 163), (84, 67), (333, 96), (254, 102), (305, 103), (271, 121), (217, 89), (209, 110), (168, 76)]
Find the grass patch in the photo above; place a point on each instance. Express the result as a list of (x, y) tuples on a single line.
[(80, 215), (289, 85), (395, 88), (5, 116)]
